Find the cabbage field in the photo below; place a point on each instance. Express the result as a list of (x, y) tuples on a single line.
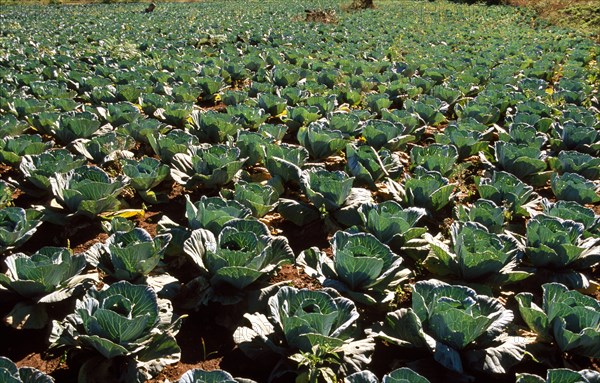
[(289, 191)]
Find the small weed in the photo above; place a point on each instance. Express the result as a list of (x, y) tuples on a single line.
[(63, 358), (317, 361), (206, 355)]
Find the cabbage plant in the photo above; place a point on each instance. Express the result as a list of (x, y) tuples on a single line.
[(430, 109), (411, 125), (49, 275), (210, 213), (105, 148), (274, 132), (463, 330), (362, 268), (260, 198), (272, 104), (566, 318), (506, 190), (319, 323), (577, 136), (435, 157), (320, 141), (23, 106), (541, 124), (571, 161), (377, 102), (12, 149), (301, 116), (573, 211), (144, 175), (573, 187), (557, 249), (167, 145), (213, 126), (216, 376), (207, 166), (467, 142), (17, 225), (524, 134), (482, 112), (326, 190), (234, 97), (369, 166), (400, 375), (75, 125), (37, 169), (248, 116), (130, 92), (87, 190), (141, 130), (129, 331), (285, 161), (151, 102), (332, 196), (176, 113), (325, 104), (294, 96), (364, 376), (10, 373), (561, 375), (10, 126), (252, 146), (128, 255), (382, 133), (475, 256), (484, 212), (572, 91), (329, 77), (286, 76), (210, 87), (522, 160), (243, 253), (428, 189), (403, 375), (391, 223), (99, 93), (120, 113), (347, 123)]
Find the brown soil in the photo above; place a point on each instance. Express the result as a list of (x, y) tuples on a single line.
[(211, 105), (296, 277), (174, 372), (149, 222), (321, 16), (334, 163), (55, 366), (4, 169), (101, 237)]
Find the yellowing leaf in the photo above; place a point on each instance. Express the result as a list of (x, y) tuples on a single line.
[(125, 213)]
